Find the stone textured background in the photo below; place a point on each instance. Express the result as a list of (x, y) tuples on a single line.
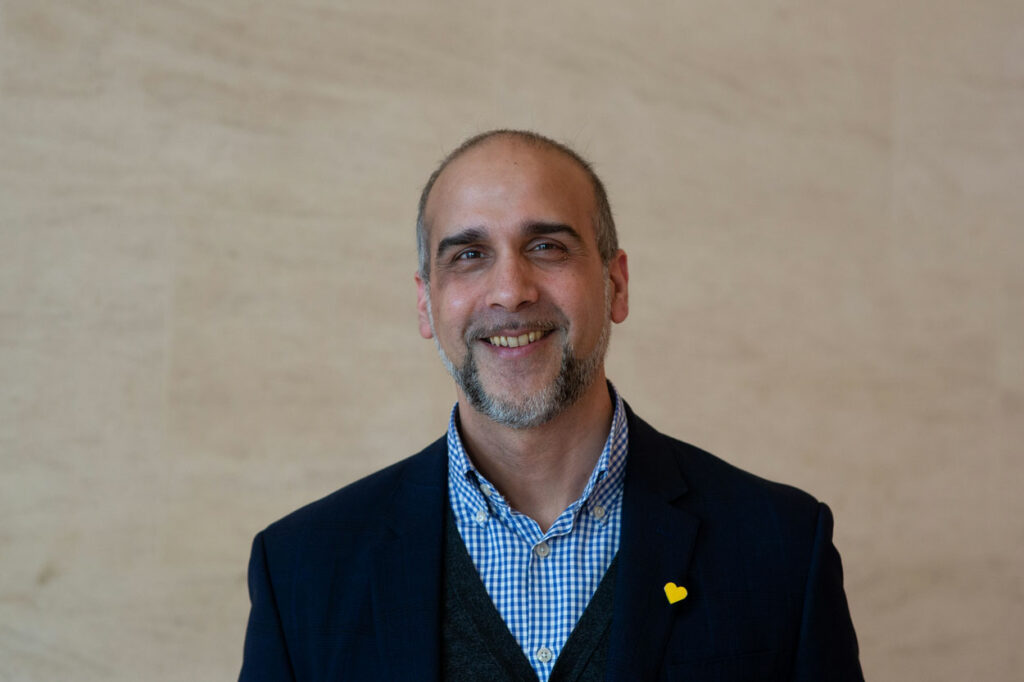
[(207, 307)]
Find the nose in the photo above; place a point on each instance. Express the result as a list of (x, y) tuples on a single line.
[(512, 285)]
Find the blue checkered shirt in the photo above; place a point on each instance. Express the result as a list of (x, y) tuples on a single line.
[(540, 582)]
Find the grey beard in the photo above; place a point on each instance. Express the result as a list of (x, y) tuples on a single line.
[(575, 376)]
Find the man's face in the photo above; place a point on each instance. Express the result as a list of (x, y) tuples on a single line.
[(519, 302)]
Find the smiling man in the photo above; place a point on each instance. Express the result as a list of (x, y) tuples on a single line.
[(551, 533)]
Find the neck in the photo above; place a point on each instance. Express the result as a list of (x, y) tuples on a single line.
[(540, 471)]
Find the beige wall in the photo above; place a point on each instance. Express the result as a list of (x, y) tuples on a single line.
[(207, 306)]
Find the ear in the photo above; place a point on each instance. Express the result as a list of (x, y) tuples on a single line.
[(421, 307), (618, 273)]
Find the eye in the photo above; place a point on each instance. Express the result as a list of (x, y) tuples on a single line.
[(469, 254), (548, 249)]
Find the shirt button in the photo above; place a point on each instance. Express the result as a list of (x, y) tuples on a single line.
[(485, 490), (481, 516), (542, 550), (544, 654), (598, 512)]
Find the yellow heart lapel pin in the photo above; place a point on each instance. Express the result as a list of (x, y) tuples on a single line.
[(675, 592)]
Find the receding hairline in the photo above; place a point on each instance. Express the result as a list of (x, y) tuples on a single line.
[(527, 138), (520, 138)]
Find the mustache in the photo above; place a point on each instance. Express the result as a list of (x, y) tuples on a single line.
[(480, 329)]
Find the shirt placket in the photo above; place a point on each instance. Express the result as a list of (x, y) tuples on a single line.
[(542, 649)]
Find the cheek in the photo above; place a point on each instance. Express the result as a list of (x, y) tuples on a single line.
[(584, 301), (452, 311), (587, 315)]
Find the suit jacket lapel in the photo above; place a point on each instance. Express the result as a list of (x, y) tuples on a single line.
[(407, 579), (656, 547)]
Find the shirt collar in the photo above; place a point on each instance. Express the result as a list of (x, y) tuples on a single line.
[(470, 491)]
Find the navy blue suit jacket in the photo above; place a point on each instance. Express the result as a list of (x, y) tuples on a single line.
[(349, 587)]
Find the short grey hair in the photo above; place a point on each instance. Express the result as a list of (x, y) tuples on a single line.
[(604, 223)]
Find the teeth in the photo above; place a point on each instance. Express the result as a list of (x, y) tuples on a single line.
[(516, 341)]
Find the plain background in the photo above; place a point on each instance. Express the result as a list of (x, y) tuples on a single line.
[(207, 306)]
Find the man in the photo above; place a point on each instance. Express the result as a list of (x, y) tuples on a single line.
[(551, 533)]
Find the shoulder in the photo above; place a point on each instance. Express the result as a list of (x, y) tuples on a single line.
[(718, 490)]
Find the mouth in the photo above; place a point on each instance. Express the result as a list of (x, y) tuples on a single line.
[(517, 341)]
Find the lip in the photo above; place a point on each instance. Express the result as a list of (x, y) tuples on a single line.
[(517, 351), (517, 331)]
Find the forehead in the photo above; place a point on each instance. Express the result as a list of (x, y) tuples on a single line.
[(504, 182)]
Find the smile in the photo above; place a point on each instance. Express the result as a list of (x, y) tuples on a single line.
[(516, 341)]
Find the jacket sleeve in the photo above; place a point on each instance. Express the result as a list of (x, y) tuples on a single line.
[(827, 649), (265, 655)]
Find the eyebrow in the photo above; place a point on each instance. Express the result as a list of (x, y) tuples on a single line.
[(537, 229), (474, 235), (471, 235)]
